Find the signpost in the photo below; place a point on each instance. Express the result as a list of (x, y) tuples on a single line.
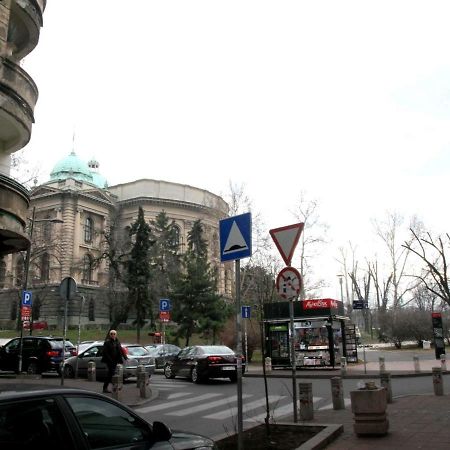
[(245, 312), (289, 285), (362, 305), (236, 243), (164, 315), (67, 291)]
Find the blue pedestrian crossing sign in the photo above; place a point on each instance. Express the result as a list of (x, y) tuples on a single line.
[(236, 237), (245, 310), (27, 298)]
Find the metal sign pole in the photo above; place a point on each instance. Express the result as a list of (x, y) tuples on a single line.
[(293, 362), (239, 351)]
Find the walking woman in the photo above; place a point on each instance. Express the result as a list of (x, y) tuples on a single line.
[(112, 355)]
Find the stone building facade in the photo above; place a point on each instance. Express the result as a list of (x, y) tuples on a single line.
[(72, 212)]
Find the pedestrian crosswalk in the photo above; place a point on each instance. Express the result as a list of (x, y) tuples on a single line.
[(180, 402)]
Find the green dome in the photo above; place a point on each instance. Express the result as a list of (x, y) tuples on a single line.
[(71, 167)]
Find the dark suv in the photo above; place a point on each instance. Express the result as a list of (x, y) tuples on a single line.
[(39, 354)]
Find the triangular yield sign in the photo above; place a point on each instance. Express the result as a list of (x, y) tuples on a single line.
[(286, 239)]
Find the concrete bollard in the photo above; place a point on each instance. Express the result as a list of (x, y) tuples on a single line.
[(139, 369), (343, 365), (144, 385), (385, 381), (306, 401), (119, 372), (416, 363), (438, 384), (443, 363), (91, 371), (268, 363), (116, 387), (382, 364), (337, 393)]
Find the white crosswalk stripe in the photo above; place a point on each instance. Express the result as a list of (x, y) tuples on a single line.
[(174, 403), (278, 412), (178, 395), (195, 409), (167, 386), (246, 407), (347, 402)]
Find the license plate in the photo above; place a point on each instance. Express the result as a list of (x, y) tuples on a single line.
[(229, 368)]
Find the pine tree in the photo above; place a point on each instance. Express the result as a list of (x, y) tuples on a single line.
[(197, 305), (138, 274)]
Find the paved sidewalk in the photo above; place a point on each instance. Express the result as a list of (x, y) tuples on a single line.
[(416, 421)]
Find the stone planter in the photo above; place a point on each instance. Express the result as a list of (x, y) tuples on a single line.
[(369, 409)]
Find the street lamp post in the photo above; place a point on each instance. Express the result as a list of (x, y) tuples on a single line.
[(33, 220)]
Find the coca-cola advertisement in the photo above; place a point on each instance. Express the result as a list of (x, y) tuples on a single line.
[(326, 305)]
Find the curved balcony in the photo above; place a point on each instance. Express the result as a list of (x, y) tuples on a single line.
[(18, 97), (14, 202), (24, 26)]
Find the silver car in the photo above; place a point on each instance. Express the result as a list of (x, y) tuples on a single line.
[(137, 355)]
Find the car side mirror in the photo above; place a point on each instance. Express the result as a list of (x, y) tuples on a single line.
[(161, 432)]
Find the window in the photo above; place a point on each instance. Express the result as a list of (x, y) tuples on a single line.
[(32, 424), (19, 271), (45, 267), (87, 269), (47, 232), (91, 310), (176, 236), (13, 310), (108, 425), (88, 229), (2, 272)]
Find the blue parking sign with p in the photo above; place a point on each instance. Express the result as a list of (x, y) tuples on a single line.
[(27, 298), (164, 304)]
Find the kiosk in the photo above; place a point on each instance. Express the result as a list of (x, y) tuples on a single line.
[(319, 333)]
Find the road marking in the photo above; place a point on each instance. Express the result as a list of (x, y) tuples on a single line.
[(168, 405), (198, 408), (347, 402), (246, 407), (178, 395)]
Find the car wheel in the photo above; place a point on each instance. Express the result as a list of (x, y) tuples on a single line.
[(168, 373), (194, 376), (69, 372), (32, 368), (233, 378)]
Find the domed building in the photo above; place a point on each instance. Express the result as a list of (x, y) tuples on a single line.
[(72, 213)]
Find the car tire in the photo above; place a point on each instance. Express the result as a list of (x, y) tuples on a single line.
[(69, 372), (195, 376), (32, 368), (168, 373)]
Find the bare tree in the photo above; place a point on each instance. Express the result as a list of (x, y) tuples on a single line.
[(312, 238), (432, 252)]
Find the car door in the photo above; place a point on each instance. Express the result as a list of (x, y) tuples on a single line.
[(9, 355), (93, 354), (179, 363), (187, 362)]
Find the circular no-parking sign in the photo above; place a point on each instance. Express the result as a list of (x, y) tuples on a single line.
[(289, 283)]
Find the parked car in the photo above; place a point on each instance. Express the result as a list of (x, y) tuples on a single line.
[(62, 418), (136, 354), (162, 353), (200, 362), (39, 354)]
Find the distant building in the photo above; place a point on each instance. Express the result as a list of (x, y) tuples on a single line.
[(78, 197)]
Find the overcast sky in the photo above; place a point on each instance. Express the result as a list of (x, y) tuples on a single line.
[(346, 100)]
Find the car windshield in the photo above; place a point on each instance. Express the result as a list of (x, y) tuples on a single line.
[(153, 351), (137, 351)]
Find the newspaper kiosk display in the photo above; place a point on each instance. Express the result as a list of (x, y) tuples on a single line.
[(319, 333)]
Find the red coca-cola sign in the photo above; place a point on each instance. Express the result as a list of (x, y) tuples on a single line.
[(320, 303)]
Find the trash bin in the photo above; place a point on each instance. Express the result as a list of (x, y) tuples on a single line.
[(426, 345)]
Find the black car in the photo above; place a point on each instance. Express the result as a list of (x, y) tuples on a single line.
[(39, 354), (72, 419), (162, 353), (200, 362)]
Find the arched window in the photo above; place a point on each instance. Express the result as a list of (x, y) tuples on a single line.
[(13, 311), (45, 267), (88, 229), (47, 232), (19, 271), (2, 272), (91, 311), (87, 269)]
